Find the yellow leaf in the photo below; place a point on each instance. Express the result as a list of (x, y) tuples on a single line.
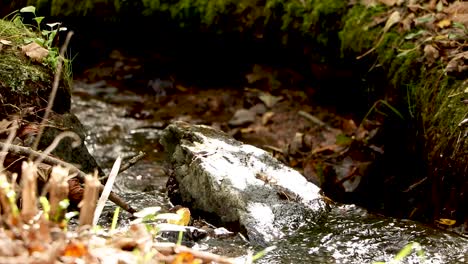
[(444, 23), (447, 222), (184, 217), (267, 117)]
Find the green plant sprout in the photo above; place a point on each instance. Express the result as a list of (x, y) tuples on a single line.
[(10, 194), (47, 38), (45, 206), (115, 219), (262, 253), (32, 9), (406, 251)]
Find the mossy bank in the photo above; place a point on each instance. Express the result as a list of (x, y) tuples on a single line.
[(25, 82)]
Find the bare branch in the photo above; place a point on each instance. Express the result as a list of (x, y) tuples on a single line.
[(79, 174), (53, 93)]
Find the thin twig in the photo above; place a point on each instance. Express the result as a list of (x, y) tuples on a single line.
[(79, 174), (11, 137), (57, 139), (53, 93), (128, 164)]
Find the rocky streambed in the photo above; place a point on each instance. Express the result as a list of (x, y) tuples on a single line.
[(345, 234)]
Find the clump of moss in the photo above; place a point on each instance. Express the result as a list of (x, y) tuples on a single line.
[(23, 82)]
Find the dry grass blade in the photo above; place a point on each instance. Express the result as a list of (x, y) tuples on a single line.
[(58, 190), (28, 190), (10, 138), (88, 204), (107, 190)]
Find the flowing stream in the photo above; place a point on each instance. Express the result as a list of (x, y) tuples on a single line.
[(349, 234)]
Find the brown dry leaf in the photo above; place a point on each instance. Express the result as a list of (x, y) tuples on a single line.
[(328, 149), (349, 127), (431, 53), (269, 100), (312, 170), (444, 23), (391, 2), (257, 74), (35, 51), (5, 125), (458, 7), (407, 22), (457, 64), (461, 18)]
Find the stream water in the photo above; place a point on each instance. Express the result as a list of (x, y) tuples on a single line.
[(349, 234)]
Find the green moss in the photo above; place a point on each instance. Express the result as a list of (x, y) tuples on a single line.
[(15, 69), (356, 36), (23, 83), (313, 18)]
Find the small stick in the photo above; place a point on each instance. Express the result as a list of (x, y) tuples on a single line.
[(58, 189), (53, 93), (128, 164), (88, 204), (23, 151), (29, 189)]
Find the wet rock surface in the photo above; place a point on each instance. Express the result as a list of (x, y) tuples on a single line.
[(240, 183)]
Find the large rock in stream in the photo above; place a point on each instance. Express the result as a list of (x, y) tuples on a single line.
[(239, 183)]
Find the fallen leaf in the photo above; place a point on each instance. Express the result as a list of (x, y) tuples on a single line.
[(75, 249), (247, 130), (447, 222), (431, 53), (35, 51), (186, 258), (5, 42), (267, 117), (457, 64), (461, 19), (257, 74), (458, 7), (269, 100), (394, 18), (184, 217), (242, 117), (391, 2), (444, 23)]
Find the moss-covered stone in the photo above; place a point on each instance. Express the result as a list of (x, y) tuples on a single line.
[(23, 82)]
